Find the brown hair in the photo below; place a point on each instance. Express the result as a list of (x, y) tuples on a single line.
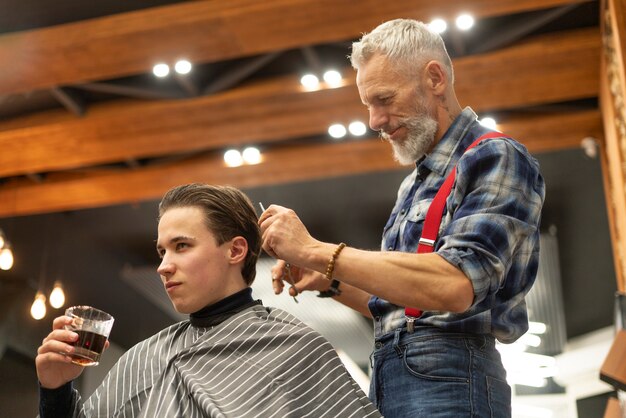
[(228, 213)]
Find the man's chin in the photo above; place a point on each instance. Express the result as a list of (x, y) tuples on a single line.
[(403, 157)]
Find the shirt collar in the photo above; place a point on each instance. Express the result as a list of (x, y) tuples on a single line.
[(453, 143)]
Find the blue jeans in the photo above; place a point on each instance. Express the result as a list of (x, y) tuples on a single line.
[(434, 374)]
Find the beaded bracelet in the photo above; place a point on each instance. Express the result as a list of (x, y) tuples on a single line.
[(331, 261)]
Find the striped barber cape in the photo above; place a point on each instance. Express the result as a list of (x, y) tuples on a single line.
[(260, 362)]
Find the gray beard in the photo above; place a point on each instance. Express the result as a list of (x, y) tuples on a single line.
[(420, 137)]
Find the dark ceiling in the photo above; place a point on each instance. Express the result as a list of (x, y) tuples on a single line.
[(87, 248)]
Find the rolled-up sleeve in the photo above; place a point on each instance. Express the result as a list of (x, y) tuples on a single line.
[(493, 220)]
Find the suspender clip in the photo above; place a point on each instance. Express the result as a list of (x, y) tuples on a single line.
[(426, 241), (410, 324)]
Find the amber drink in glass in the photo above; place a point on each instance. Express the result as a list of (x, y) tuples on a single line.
[(93, 327)]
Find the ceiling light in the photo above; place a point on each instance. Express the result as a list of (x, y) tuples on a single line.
[(310, 81), (332, 78), (233, 158), (161, 70), (438, 25), (38, 309), (357, 128), (464, 21), (182, 67), (251, 155), (2, 239), (6, 257), (337, 130), (57, 296), (488, 122)]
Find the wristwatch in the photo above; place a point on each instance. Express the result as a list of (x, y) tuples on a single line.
[(333, 290)]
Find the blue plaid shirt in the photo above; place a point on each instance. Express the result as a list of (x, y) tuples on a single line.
[(489, 230)]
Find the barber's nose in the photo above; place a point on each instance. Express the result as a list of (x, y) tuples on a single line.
[(378, 119)]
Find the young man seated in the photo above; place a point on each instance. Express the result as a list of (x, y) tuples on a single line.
[(234, 357)]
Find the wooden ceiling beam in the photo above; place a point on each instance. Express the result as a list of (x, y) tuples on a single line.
[(521, 28), (541, 70), (263, 113), (207, 31), (548, 69), (553, 132), (71, 191)]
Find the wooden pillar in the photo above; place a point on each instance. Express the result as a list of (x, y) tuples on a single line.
[(613, 106)]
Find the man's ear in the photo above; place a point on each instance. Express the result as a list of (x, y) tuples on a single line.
[(435, 77), (238, 250)]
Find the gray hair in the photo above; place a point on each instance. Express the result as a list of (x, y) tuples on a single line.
[(406, 41)]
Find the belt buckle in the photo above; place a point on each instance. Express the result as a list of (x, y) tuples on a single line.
[(410, 324)]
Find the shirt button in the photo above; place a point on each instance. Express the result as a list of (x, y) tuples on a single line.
[(403, 211), (378, 345)]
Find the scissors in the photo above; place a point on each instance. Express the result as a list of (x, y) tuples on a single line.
[(286, 270)]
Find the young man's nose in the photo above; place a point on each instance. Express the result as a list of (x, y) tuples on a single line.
[(166, 267)]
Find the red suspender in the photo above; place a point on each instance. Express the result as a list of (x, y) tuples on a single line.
[(433, 221)]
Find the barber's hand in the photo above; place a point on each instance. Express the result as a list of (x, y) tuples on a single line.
[(303, 279), (53, 368), (284, 236)]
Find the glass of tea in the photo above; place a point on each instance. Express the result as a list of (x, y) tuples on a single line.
[(93, 327)]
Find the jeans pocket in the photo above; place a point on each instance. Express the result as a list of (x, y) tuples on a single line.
[(437, 379), (438, 359), (499, 397)]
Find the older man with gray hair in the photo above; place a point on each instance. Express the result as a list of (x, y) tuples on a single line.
[(459, 251)]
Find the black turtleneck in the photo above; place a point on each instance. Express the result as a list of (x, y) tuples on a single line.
[(219, 311)]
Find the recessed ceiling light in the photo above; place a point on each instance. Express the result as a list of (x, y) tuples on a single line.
[(310, 81), (337, 130), (488, 122), (233, 158), (464, 21), (251, 155), (161, 70), (438, 25), (357, 128), (332, 78), (182, 67)]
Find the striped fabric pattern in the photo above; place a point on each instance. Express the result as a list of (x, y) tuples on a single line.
[(261, 362)]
